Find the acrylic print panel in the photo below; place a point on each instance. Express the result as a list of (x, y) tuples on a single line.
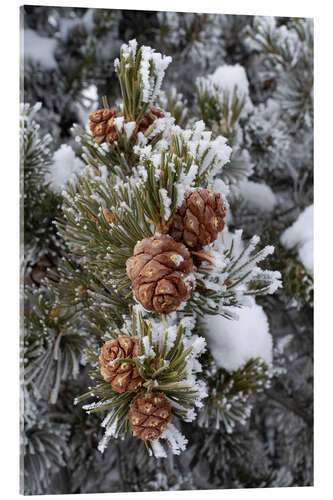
[(168, 240)]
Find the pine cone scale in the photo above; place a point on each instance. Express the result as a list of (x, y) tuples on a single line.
[(166, 286), (196, 205), (145, 293), (134, 266), (165, 303), (121, 381), (191, 223), (153, 271)]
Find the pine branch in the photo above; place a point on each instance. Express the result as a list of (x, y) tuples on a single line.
[(290, 405)]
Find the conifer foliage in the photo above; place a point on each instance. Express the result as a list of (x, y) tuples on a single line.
[(147, 332)]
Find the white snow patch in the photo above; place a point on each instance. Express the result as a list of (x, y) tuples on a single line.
[(221, 187), (258, 196), (39, 48), (300, 235), (129, 129), (228, 76), (65, 165), (90, 96), (228, 79), (234, 342)]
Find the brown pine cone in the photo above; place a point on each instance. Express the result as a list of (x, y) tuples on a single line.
[(124, 377), (160, 270), (149, 118), (149, 417), (102, 125), (199, 219)]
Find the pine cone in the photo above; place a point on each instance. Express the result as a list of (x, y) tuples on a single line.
[(160, 270), (150, 116), (124, 377), (102, 125), (149, 417), (199, 219)]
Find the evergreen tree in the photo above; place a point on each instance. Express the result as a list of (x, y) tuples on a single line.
[(161, 351)]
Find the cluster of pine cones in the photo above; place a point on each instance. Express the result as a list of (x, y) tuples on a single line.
[(162, 274), (149, 414), (103, 128), (162, 269)]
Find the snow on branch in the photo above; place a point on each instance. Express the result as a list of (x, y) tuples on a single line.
[(224, 95), (151, 70), (175, 441), (234, 343), (64, 166), (168, 362), (234, 277), (189, 159), (299, 236), (140, 72)]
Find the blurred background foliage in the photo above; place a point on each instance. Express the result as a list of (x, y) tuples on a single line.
[(68, 66)]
